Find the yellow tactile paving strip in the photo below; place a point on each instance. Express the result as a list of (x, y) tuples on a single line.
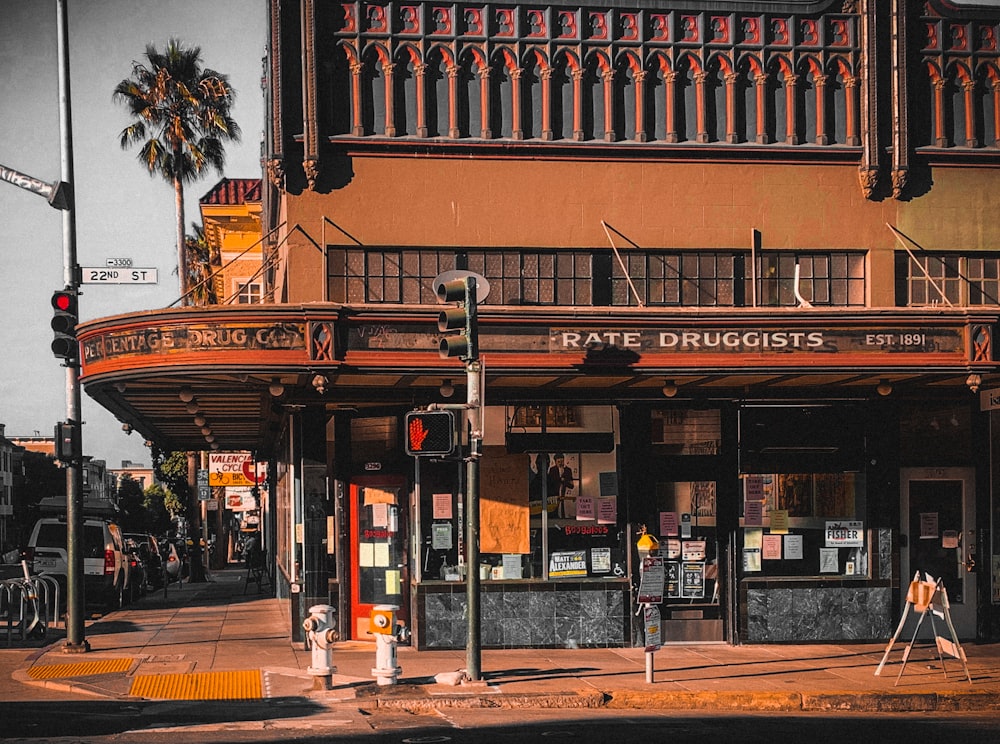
[(240, 685), (80, 669)]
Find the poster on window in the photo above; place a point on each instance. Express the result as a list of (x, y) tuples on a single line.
[(673, 581), (503, 503), (554, 477), (771, 548), (568, 563), (693, 580)]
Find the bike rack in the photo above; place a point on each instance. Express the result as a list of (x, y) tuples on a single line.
[(16, 603)]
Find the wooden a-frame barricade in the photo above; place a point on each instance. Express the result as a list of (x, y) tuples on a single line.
[(928, 597)]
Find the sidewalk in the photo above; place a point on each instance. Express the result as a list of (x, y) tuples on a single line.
[(210, 641)]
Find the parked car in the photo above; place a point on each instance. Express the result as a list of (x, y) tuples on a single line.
[(148, 549), (105, 563), (135, 584)]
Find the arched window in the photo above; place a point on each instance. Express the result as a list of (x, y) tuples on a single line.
[(532, 92), (562, 97), (501, 96), (404, 91), (470, 109), (436, 94), (372, 93)]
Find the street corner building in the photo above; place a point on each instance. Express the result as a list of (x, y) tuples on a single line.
[(737, 282)]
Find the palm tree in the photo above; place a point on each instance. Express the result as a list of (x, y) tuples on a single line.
[(202, 262), (181, 115)]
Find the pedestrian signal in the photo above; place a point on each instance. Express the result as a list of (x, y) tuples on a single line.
[(430, 433)]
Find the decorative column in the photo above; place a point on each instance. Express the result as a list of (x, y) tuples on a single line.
[(968, 91), (390, 108), (275, 133), (453, 131), (608, 76), (995, 90), (699, 98), (484, 103), (640, 105), (851, 111), (420, 73), (547, 104), (940, 136), (578, 105), (310, 109), (731, 136), (357, 125), (516, 122), (760, 89), (791, 136), (819, 83)]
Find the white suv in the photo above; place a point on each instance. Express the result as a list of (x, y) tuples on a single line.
[(105, 562)]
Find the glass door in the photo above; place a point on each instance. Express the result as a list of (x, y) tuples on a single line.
[(689, 544), (938, 522), (379, 572)]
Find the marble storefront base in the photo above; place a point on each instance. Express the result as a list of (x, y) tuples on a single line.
[(525, 615), (803, 614)]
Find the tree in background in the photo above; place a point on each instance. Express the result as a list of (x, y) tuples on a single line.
[(150, 511), (181, 118), (132, 511), (202, 259), (35, 477)]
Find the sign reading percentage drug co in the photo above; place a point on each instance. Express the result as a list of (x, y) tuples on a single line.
[(235, 469), (112, 275)]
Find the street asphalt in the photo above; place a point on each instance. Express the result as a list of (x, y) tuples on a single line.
[(223, 639)]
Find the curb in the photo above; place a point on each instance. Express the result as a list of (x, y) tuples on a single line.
[(702, 701), (424, 699)]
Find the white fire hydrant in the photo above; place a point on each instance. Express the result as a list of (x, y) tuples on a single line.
[(321, 635), (383, 627)]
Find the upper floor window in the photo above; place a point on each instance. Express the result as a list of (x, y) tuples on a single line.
[(831, 279), (947, 279), (599, 278), (247, 292)]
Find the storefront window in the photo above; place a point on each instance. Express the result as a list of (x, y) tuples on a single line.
[(686, 431), (804, 524), (543, 515)]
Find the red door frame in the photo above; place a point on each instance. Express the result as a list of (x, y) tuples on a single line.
[(357, 625)]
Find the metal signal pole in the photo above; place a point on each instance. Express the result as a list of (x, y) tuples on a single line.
[(75, 641)]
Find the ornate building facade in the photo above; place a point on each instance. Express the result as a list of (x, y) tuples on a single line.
[(740, 280)]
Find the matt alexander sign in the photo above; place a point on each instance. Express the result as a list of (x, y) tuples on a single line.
[(759, 340), (195, 337)]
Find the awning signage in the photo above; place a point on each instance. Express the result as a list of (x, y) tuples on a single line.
[(194, 338), (758, 340), (322, 338)]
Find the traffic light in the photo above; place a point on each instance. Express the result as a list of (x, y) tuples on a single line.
[(430, 433), (64, 319), (465, 345)]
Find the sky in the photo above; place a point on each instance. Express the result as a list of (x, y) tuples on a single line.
[(121, 211)]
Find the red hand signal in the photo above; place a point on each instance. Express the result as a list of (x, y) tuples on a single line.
[(417, 434)]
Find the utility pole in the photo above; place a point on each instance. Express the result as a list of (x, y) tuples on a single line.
[(75, 641), (465, 319)]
